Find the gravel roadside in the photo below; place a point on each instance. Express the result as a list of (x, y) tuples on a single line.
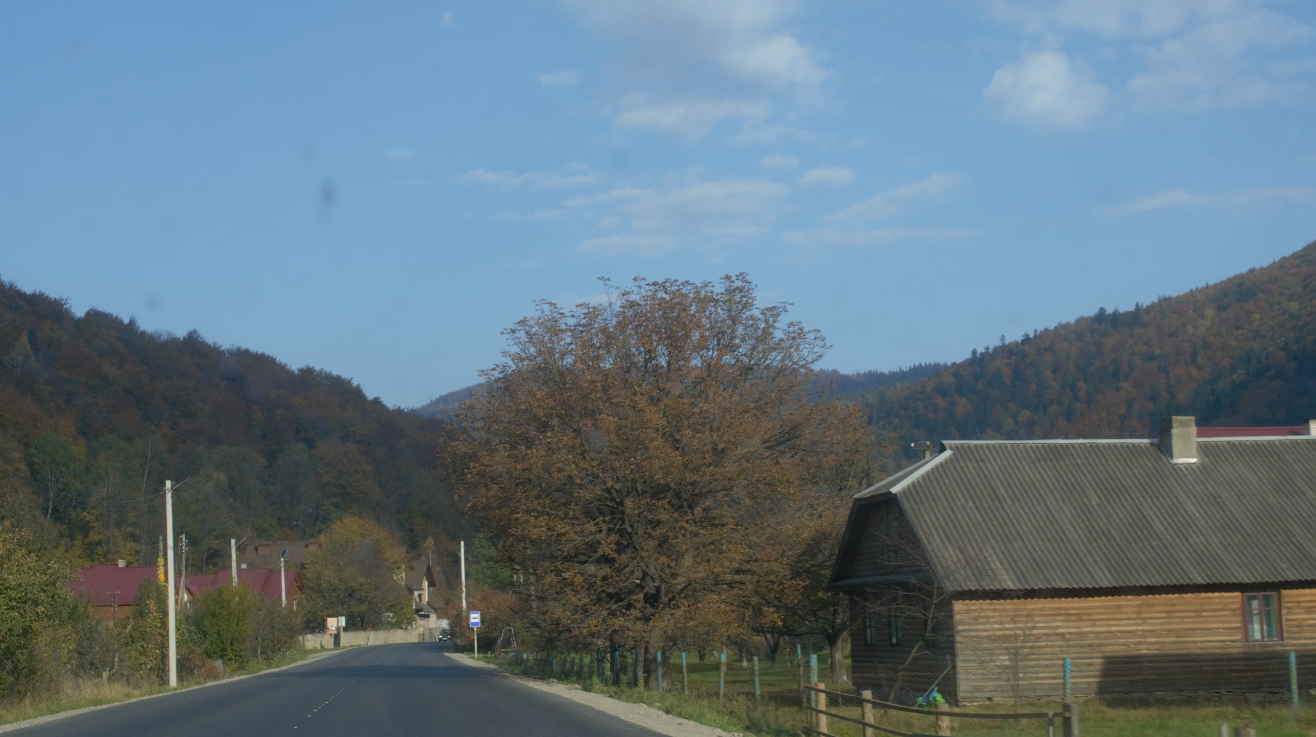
[(645, 716)]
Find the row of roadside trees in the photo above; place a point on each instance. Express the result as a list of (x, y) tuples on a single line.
[(658, 470), (51, 643)]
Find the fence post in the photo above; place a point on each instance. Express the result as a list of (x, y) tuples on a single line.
[(799, 677), (658, 656), (1293, 678), (722, 674), (813, 678), (615, 665), (757, 696), (820, 716), (943, 721), (866, 714), (685, 677), (1071, 720), (1069, 678)]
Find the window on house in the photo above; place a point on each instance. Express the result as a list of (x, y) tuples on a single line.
[(870, 627), (894, 621), (933, 624), (1261, 620)]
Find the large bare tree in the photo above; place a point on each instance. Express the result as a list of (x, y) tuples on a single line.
[(627, 456)]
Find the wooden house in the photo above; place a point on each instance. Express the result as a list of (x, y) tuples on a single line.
[(1166, 568)]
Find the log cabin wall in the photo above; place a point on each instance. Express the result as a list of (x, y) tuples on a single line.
[(887, 669), (1161, 646), (887, 544)]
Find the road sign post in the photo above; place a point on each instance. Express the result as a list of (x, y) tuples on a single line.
[(475, 625)]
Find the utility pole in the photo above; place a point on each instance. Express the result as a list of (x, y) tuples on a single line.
[(463, 576), (283, 584), (233, 557), (169, 577)]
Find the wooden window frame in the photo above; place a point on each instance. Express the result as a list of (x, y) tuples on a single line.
[(870, 627), (1278, 610), (894, 625)]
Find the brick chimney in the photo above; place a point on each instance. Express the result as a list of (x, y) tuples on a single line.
[(1179, 439)]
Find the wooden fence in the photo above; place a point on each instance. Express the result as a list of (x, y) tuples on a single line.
[(818, 715)]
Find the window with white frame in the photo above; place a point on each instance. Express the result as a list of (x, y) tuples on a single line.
[(1261, 617)]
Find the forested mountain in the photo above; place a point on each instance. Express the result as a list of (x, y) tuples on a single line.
[(1239, 352), (446, 404), (838, 383), (827, 382), (96, 413)]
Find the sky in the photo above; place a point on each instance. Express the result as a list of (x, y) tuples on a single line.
[(380, 189)]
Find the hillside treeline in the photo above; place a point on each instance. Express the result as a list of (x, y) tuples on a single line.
[(1238, 352), (95, 413)]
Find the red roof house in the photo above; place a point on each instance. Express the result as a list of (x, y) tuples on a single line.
[(112, 588)]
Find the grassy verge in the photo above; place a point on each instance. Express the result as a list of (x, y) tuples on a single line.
[(779, 712), (94, 692)]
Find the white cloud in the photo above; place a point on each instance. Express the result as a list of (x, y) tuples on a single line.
[(659, 219), (899, 199), (687, 118), (1160, 201), (559, 80), (1044, 88), (1204, 69), (572, 175), (780, 163), (1178, 198), (685, 66), (1197, 54), (397, 153), (618, 245), (726, 207), (873, 237), (446, 22), (827, 176)]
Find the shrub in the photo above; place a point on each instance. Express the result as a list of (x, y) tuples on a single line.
[(226, 620), (39, 618)]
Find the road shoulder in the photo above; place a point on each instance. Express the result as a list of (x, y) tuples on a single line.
[(73, 712), (639, 714)]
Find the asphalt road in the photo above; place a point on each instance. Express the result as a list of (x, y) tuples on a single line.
[(412, 689)]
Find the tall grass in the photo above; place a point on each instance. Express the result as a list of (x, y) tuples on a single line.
[(80, 693), (779, 712)]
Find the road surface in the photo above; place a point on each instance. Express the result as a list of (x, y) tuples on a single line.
[(411, 689)]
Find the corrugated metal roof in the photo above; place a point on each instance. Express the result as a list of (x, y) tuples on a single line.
[(1042, 515), (107, 584), (1249, 432)]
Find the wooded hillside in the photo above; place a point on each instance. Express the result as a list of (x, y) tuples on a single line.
[(96, 412), (1238, 352)]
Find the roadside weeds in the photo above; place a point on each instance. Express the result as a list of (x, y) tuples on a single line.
[(90, 695)]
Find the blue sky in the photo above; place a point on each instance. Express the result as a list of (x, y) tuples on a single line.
[(379, 189)]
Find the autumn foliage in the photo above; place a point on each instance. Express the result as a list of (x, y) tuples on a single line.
[(629, 457)]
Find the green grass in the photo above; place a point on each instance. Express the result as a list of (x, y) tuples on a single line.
[(93, 692), (779, 712)]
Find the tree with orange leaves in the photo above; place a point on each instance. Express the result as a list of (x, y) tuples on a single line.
[(628, 457)]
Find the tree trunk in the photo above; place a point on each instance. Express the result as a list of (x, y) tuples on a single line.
[(836, 645)]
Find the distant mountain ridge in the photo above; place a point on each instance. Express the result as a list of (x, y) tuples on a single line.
[(835, 383), (95, 412), (447, 404), (1239, 352)]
